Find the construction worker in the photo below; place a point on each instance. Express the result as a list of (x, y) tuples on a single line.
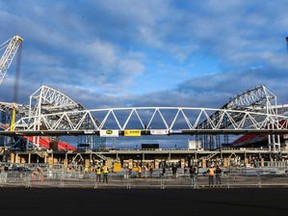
[(218, 172), (98, 174), (105, 172), (69, 171), (174, 170), (91, 169), (38, 174), (86, 172), (139, 171), (193, 175), (211, 174), (35, 174), (151, 170), (86, 169)]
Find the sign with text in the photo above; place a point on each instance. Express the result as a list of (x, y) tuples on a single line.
[(132, 132), (109, 133), (159, 132)]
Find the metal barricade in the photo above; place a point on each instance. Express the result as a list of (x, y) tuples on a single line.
[(57, 175)]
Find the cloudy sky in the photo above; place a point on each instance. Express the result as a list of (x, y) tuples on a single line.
[(119, 53)]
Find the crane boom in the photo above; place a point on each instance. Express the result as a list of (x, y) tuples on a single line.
[(9, 54)]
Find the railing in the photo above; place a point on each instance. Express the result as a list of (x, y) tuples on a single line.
[(77, 178)]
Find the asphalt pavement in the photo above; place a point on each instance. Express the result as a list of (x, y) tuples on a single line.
[(148, 202)]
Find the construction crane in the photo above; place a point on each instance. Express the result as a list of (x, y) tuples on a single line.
[(11, 45)]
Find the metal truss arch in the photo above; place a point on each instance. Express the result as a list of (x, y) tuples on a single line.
[(47, 100), (50, 100), (259, 98)]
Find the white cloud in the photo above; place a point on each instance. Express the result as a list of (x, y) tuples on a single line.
[(100, 51), (131, 67), (106, 45), (40, 58)]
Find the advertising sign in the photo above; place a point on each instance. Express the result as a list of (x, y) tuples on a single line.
[(132, 132), (109, 133), (159, 132)]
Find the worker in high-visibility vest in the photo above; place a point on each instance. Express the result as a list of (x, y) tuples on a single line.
[(211, 174), (98, 174), (86, 169), (105, 171)]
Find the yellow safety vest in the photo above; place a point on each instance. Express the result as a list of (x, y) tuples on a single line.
[(105, 169), (211, 172), (98, 171)]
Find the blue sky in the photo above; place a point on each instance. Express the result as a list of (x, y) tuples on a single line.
[(119, 53)]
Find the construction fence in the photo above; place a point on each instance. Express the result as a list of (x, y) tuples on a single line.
[(40, 175)]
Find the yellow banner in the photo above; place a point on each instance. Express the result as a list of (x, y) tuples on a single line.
[(132, 132)]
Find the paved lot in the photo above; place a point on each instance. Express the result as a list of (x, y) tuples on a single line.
[(75, 201), (238, 195)]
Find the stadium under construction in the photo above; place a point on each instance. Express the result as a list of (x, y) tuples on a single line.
[(250, 126)]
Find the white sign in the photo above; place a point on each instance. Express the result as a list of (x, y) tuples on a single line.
[(194, 144), (89, 132), (159, 132), (109, 133), (176, 131)]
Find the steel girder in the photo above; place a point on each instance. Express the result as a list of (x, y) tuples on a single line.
[(51, 112), (174, 119)]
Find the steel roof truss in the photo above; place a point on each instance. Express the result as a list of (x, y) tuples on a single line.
[(163, 119)]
